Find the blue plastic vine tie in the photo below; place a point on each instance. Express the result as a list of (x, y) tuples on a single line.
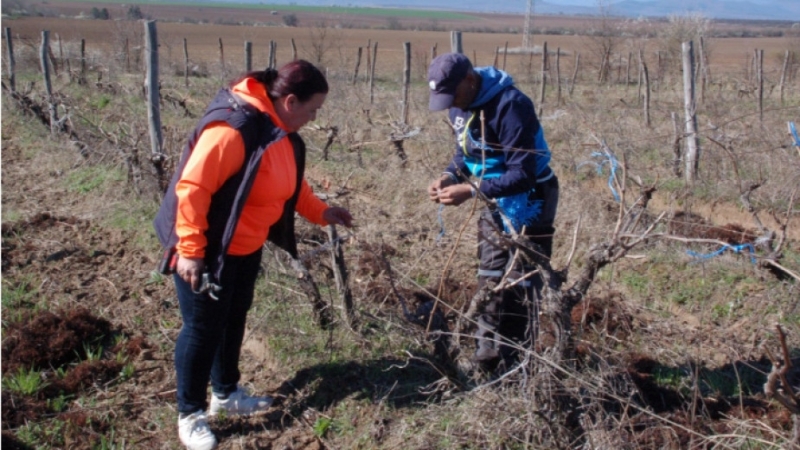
[(793, 130), (609, 159), (441, 223), (734, 248)]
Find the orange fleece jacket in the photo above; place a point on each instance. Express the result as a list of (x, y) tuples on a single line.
[(218, 155)]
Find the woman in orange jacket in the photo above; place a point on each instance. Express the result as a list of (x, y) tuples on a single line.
[(239, 183)]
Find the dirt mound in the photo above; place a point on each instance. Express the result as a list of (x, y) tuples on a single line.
[(74, 289), (69, 347), (697, 227), (51, 340)]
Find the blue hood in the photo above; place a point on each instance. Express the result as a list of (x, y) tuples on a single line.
[(492, 82)]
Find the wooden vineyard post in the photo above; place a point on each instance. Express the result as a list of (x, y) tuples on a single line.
[(406, 80), (544, 78), (455, 42), (575, 73), (44, 58), (12, 77), (646, 78), (248, 56), (372, 72), (185, 63), (83, 60), (221, 56), (786, 58), (689, 106), (153, 94), (369, 47), (294, 50), (273, 47), (505, 55), (358, 65), (433, 51), (558, 76), (759, 55), (641, 77)]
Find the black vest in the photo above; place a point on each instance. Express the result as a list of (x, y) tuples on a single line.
[(258, 132)]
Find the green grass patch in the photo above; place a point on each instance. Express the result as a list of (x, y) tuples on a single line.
[(42, 435), (135, 216), (672, 185), (322, 425), (20, 298), (93, 178), (671, 377), (338, 10), (18, 292), (24, 382), (11, 216), (638, 283)]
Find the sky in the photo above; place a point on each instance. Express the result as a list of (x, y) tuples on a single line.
[(595, 2)]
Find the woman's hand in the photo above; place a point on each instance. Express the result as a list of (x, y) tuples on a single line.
[(335, 215), (190, 270)]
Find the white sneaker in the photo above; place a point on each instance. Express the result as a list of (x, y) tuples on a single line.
[(239, 402), (195, 433)]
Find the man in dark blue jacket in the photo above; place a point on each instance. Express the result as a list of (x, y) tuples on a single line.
[(509, 163)]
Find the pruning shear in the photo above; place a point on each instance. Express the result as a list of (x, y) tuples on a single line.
[(207, 286)]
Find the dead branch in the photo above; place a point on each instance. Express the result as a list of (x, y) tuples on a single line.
[(778, 387), (557, 303), (433, 320), (744, 190), (322, 310), (763, 262), (402, 132), (178, 103), (340, 275), (784, 224), (331, 133), (574, 243)]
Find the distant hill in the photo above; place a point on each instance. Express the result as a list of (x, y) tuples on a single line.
[(786, 10)]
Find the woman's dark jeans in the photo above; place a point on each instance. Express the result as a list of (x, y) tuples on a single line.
[(210, 340)]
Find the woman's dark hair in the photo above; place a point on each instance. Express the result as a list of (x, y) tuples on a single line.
[(298, 77)]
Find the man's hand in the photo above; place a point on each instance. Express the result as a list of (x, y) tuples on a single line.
[(437, 185), (190, 270), (335, 215), (455, 195)]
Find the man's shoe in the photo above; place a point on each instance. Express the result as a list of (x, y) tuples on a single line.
[(239, 402), (194, 432)]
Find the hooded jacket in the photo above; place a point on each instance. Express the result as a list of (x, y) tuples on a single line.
[(515, 156), (238, 183)]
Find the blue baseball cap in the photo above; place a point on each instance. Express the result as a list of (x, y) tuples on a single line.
[(444, 74)]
